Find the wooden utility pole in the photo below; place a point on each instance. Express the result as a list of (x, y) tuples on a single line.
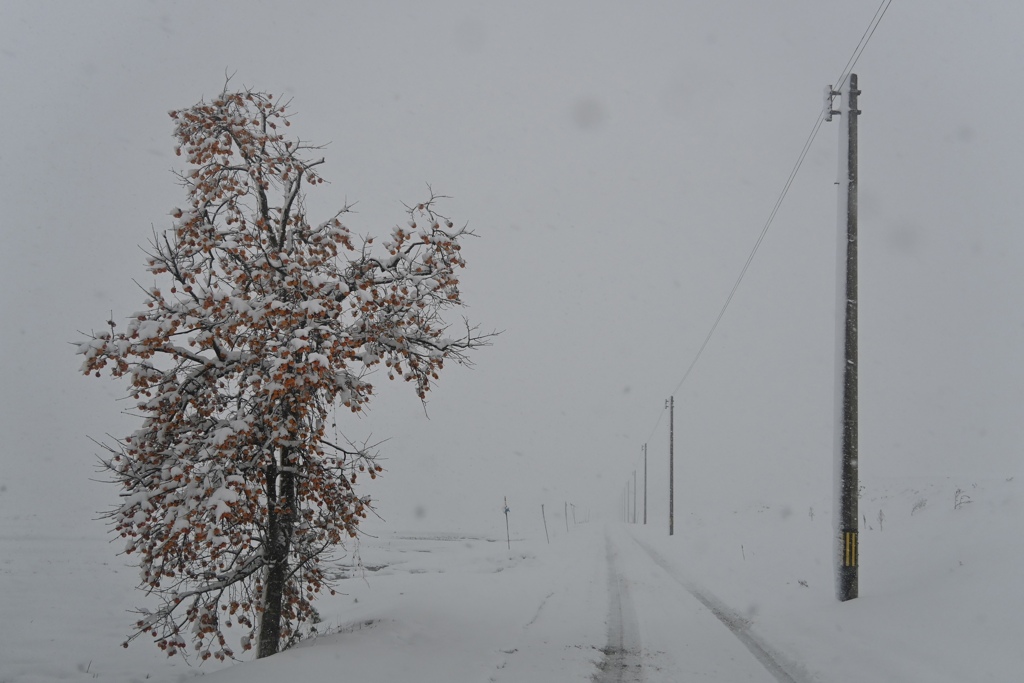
[(671, 465), (846, 427), (645, 484)]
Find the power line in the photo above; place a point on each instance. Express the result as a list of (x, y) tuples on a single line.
[(660, 416), (757, 245), (851, 62), (863, 43)]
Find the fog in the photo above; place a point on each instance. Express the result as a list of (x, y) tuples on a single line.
[(618, 162)]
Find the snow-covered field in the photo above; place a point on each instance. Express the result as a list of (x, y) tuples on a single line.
[(941, 600)]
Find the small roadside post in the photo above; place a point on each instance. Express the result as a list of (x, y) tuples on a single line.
[(508, 536), (545, 523)]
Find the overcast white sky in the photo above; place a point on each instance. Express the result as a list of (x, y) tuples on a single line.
[(618, 161)]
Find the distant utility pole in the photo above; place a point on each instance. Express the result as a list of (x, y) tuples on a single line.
[(845, 456), (645, 484), (671, 465)]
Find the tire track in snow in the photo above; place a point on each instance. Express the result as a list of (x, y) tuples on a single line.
[(777, 665), (622, 654)]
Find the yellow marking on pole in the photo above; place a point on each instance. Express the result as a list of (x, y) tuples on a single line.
[(850, 548)]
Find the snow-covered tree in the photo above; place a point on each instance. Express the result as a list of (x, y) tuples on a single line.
[(232, 496)]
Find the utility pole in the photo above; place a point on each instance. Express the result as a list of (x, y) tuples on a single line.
[(671, 465), (645, 484), (846, 427)]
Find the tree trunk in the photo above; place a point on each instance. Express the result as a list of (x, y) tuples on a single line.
[(281, 522)]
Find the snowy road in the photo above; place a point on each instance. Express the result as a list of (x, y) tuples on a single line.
[(597, 606), (663, 628), (773, 662), (623, 654)]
